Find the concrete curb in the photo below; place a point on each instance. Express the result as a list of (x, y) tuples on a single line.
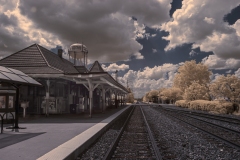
[(72, 148)]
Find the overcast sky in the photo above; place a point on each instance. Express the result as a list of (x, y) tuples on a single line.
[(145, 40)]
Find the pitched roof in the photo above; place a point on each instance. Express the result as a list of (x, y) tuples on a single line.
[(28, 57), (38, 70), (96, 67), (55, 61), (36, 59)]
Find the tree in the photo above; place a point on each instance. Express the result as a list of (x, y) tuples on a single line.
[(190, 72), (176, 94), (130, 96), (171, 94), (150, 96), (153, 95), (196, 91), (226, 87), (145, 99)]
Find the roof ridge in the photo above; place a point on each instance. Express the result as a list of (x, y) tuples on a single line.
[(92, 66), (42, 55), (56, 62), (56, 55), (46, 58)]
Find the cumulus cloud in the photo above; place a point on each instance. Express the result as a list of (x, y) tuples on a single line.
[(201, 22), (138, 55), (150, 78), (154, 50), (229, 71), (113, 67), (213, 77), (193, 53), (103, 26), (17, 31), (215, 62), (237, 73), (153, 35)]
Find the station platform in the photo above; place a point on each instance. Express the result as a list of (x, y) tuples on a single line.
[(55, 137)]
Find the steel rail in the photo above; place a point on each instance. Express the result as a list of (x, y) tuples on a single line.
[(237, 146), (213, 124), (155, 148), (191, 116), (116, 140), (215, 117)]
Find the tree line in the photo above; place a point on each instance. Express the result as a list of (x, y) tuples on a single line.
[(192, 82)]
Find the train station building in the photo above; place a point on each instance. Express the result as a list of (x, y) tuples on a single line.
[(66, 87)]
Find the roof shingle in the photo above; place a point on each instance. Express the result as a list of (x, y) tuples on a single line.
[(28, 57), (55, 61), (36, 59)]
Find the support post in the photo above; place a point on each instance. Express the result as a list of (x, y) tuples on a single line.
[(91, 88), (115, 98), (104, 98), (110, 94), (24, 112), (16, 110), (47, 98), (121, 99), (125, 101), (90, 101)]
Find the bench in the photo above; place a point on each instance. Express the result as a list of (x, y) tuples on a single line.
[(2, 119)]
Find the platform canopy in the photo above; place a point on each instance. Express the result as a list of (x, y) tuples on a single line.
[(14, 76), (96, 77)]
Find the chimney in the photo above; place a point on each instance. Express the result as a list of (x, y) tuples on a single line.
[(116, 75), (60, 52)]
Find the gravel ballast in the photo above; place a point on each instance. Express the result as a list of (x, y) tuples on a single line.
[(184, 141), (175, 139)]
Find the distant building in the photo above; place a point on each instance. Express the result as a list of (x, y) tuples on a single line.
[(67, 88)]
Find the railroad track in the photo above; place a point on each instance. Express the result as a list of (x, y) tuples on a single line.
[(226, 135), (228, 122), (135, 140), (207, 115)]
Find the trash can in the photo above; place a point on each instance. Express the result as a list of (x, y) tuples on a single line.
[(73, 108)]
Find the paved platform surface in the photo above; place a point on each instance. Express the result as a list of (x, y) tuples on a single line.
[(43, 134)]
